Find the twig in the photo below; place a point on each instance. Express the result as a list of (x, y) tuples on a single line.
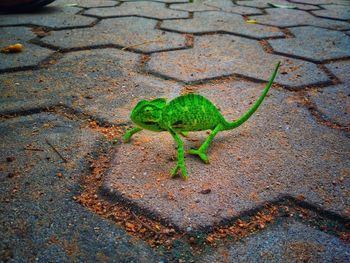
[(217, 8), (143, 43), (33, 149), (59, 154), (144, 224)]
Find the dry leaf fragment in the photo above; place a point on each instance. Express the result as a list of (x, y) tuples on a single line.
[(16, 48), (251, 21)]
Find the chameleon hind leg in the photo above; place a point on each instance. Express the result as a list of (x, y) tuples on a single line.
[(128, 134), (180, 156), (201, 151)]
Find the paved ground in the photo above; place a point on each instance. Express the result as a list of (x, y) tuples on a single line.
[(277, 188)]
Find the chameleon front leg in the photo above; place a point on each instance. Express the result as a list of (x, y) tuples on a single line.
[(180, 156), (128, 134), (201, 152)]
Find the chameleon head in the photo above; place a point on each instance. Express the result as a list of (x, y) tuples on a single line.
[(147, 114)]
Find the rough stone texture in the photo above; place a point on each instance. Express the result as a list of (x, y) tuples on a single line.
[(39, 221), (334, 11), (320, 2), (265, 4), (214, 5), (290, 17), (87, 3), (53, 16), (31, 55), (334, 102), (286, 242), (103, 83), (316, 44), (280, 151), (135, 32), (162, 1), (214, 21), (234, 55), (144, 9)]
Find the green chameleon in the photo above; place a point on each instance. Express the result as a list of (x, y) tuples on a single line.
[(184, 114)]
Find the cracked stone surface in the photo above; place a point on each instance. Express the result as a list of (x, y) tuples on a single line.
[(316, 44), (135, 32), (56, 16), (286, 242), (289, 17), (265, 4), (214, 21), (260, 162), (106, 88), (334, 11), (234, 55), (334, 102), (31, 56), (218, 5), (37, 207), (144, 9)]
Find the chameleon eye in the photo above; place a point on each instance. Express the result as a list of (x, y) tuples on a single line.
[(148, 109)]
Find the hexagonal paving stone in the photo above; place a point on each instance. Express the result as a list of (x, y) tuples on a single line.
[(135, 32), (334, 11), (279, 151), (334, 102), (316, 44), (320, 2), (266, 3), (144, 9), (102, 83), (234, 55), (53, 16), (286, 242), (87, 3), (214, 21), (291, 17), (31, 55), (39, 218), (213, 5)]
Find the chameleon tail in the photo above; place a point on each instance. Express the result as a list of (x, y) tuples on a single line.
[(249, 113)]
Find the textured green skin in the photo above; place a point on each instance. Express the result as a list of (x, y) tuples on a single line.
[(187, 113)]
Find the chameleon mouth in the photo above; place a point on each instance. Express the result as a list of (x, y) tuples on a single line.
[(150, 123)]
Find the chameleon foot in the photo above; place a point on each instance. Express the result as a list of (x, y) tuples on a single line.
[(174, 170), (201, 154)]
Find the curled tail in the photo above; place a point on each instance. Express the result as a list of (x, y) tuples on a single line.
[(249, 113)]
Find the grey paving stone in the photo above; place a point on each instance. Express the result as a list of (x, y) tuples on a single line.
[(286, 242), (266, 3), (313, 43), (212, 5), (31, 55), (87, 3), (144, 9), (281, 150), (334, 11), (290, 17), (135, 32), (333, 102), (234, 55), (53, 16), (102, 83), (161, 1), (214, 21), (320, 2), (39, 220)]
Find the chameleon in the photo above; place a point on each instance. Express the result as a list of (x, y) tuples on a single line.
[(187, 113)]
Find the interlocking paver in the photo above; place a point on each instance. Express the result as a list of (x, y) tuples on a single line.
[(31, 55), (234, 55), (316, 44), (38, 218), (53, 16), (212, 5), (214, 21), (135, 32), (320, 2), (87, 3), (162, 1), (334, 102), (334, 11), (286, 242), (290, 17), (280, 151), (144, 9), (100, 82), (266, 3)]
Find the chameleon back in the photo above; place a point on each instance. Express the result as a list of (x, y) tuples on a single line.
[(191, 112)]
